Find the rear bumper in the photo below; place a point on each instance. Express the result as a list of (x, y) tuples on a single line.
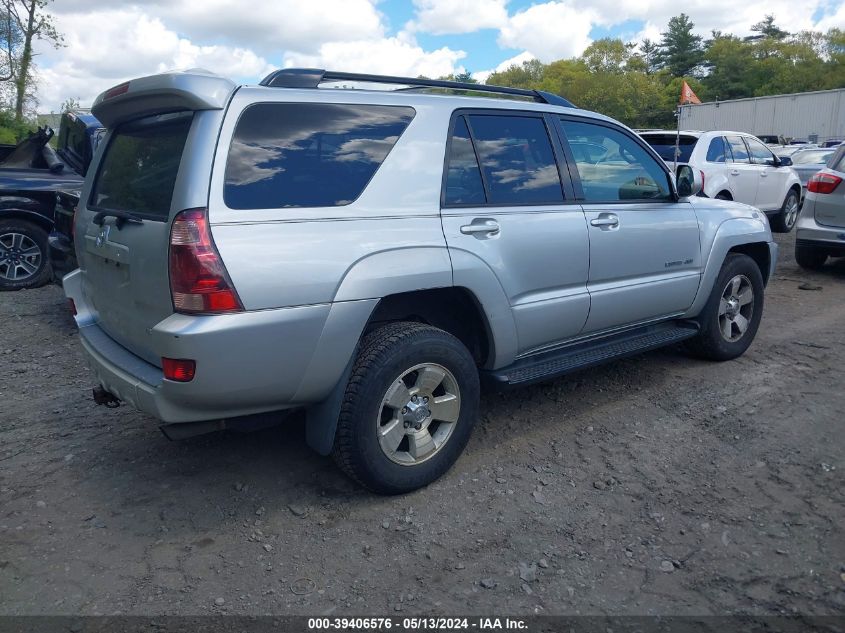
[(808, 232), (250, 362)]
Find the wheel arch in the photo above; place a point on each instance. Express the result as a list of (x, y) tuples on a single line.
[(37, 219)]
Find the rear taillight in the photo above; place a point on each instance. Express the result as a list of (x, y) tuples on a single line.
[(118, 90), (178, 369), (198, 280), (823, 183), (702, 181)]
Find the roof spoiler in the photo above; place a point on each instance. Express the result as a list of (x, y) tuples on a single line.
[(194, 89)]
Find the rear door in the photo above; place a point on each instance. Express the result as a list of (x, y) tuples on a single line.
[(123, 227), (517, 215), (645, 258), (744, 177)]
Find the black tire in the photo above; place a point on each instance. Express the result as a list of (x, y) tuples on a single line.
[(810, 257), (711, 343), (785, 219), (384, 355), (12, 276)]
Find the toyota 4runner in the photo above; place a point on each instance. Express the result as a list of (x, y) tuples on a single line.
[(373, 256)]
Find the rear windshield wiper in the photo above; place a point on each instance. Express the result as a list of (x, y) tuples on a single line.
[(121, 218)]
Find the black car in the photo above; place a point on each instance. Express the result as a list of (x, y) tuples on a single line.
[(39, 188)]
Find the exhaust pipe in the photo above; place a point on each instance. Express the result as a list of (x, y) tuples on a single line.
[(107, 398)]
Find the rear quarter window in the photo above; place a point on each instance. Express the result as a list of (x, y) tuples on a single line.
[(308, 154)]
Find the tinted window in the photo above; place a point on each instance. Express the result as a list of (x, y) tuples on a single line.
[(463, 178), (138, 171), (760, 154), (716, 151), (308, 155), (517, 158), (664, 145), (740, 154), (623, 170)]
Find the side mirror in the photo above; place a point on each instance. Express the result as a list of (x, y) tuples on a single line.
[(690, 181), (784, 161)]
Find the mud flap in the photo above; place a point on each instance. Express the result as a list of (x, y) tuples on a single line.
[(321, 418)]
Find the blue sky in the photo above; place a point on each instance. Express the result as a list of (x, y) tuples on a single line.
[(134, 38)]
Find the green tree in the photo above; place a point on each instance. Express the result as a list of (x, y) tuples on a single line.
[(529, 74), (649, 52), (681, 51), (607, 55), (31, 22), (767, 28)]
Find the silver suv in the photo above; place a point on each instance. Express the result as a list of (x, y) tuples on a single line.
[(373, 255)]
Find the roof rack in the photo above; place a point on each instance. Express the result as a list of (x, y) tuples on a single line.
[(313, 77)]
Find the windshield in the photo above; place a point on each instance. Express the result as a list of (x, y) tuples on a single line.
[(807, 157), (664, 145)]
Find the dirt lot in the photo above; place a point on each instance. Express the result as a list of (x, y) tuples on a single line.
[(657, 485)]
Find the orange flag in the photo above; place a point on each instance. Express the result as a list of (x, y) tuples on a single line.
[(687, 95)]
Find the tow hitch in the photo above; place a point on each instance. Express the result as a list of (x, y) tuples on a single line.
[(101, 396)]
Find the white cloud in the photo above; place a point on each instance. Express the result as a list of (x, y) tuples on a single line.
[(516, 60), (387, 56), (126, 43), (458, 16), (552, 30)]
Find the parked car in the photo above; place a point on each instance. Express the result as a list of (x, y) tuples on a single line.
[(736, 166), (821, 224), (789, 150), (832, 142), (809, 161), (772, 139), (38, 187), (372, 255)]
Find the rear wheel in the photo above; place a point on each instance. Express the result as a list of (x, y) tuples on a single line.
[(409, 408), (788, 214), (810, 257), (730, 319), (23, 255)]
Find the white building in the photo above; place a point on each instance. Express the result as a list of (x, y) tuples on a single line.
[(814, 116)]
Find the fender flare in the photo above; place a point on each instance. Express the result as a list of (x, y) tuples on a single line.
[(732, 232)]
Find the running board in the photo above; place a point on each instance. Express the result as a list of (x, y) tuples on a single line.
[(578, 356)]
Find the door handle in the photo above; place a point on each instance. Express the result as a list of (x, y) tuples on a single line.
[(734, 172), (479, 227), (608, 220)]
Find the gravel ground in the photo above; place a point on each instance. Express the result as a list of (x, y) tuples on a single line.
[(655, 485)]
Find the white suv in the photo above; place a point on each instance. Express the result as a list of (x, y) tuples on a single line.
[(736, 166)]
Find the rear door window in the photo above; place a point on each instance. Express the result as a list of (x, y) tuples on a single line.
[(138, 171), (308, 155), (517, 159), (738, 149), (463, 176), (620, 169)]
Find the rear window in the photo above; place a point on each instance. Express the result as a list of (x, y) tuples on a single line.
[(308, 155), (138, 171), (664, 145)]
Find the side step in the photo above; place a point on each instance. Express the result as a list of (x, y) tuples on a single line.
[(578, 356)]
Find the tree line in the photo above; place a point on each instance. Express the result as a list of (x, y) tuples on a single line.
[(639, 83)]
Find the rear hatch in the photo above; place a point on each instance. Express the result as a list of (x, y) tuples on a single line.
[(143, 176), (830, 207)]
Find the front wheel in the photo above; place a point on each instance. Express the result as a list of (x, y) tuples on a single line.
[(23, 255), (788, 214), (410, 406), (732, 314)]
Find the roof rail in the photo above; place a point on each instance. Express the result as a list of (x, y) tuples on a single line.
[(313, 77)]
